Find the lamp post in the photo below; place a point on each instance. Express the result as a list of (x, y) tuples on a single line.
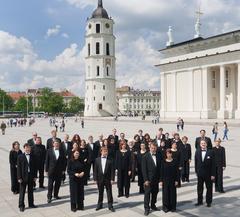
[(3, 105)]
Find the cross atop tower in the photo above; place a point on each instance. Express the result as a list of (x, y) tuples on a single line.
[(198, 24)]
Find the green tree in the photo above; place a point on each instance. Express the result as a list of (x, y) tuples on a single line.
[(24, 104), (7, 100), (50, 102), (76, 105)]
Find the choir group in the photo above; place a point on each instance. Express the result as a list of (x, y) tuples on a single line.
[(162, 161)]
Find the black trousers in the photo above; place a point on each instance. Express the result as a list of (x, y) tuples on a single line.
[(29, 185), (219, 179), (123, 182), (185, 171), (151, 191), (14, 182), (40, 170), (200, 184), (169, 195), (107, 184), (76, 191), (53, 182)]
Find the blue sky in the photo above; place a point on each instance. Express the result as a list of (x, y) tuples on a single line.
[(42, 41)]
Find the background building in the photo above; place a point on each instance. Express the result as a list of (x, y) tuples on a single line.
[(100, 95), (138, 102), (200, 78)]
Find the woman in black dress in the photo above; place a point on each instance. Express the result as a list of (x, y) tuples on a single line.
[(140, 156), (85, 158), (169, 181), (177, 156), (13, 155), (76, 182), (123, 167)]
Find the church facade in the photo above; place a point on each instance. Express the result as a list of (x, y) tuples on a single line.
[(100, 82), (200, 78)]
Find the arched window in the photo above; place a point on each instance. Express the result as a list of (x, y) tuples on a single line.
[(107, 49), (97, 48), (89, 49), (98, 70), (98, 27)]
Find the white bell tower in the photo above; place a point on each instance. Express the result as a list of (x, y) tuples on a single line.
[(100, 93)]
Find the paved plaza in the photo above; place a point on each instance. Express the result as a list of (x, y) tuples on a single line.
[(223, 204)]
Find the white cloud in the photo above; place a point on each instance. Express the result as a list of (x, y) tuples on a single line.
[(65, 35), (21, 67), (53, 31)]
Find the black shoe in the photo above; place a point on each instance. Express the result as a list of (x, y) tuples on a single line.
[(120, 195), (21, 209), (154, 208), (146, 213), (49, 200), (57, 198), (43, 187), (111, 209), (98, 208), (165, 210), (209, 205), (173, 210), (127, 195), (33, 206), (74, 210), (198, 204), (222, 192)]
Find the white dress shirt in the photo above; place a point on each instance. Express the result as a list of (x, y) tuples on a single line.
[(56, 152), (203, 155), (28, 160), (91, 145), (66, 145), (103, 162), (158, 142), (154, 159)]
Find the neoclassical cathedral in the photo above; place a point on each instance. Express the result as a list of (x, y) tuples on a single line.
[(200, 78), (100, 93)]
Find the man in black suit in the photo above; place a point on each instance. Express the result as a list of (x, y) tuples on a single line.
[(104, 175), (116, 138), (205, 170), (220, 163), (93, 154), (51, 140), (54, 167), (122, 137), (39, 153), (32, 141), (186, 159), (66, 148), (151, 165), (203, 137), (26, 175)]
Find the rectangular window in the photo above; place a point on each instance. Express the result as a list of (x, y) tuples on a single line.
[(89, 49), (98, 70), (98, 28), (107, 49), (107, 71), (97, 48), (103, 87), (103, 98)]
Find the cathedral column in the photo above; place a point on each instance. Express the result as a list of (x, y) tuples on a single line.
[(237, 113), (205, 92), (191, 100), (162, 112), (222, 110), (174, 92)]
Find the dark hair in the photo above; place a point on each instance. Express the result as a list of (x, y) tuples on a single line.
[(168, 151), (26, 145), (72, 155), (14, 143), (160, 129), (203, 131), (78, 137), (122, 142)]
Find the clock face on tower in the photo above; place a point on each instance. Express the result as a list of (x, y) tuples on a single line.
[(107, 25), (90, 26)]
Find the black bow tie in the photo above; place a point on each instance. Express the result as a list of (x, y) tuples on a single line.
[(104, 157), (204, 150), (27, 154), (153, 154)]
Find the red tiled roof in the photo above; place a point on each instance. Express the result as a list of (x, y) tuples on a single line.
[(66, 93), (16, 95)]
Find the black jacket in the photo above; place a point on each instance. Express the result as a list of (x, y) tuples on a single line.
[(150, 171), (50, 142), (39, 153), (53, 166), (22, 168), (104, 176), (186, 152), (205, 168), (220, 156)]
